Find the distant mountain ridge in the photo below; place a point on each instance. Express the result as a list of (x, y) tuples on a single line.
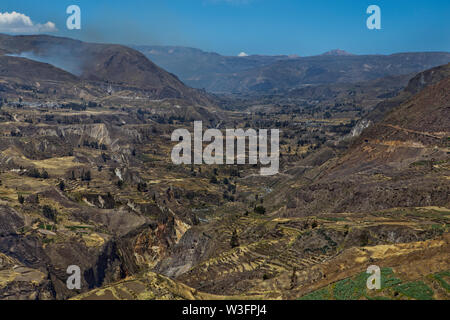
[(201, 69), (277, 74), (337, 52), (286, 75)]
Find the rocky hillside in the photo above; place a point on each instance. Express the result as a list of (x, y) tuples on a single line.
[(383, 201), (399, 161), (86, 179), (112, 66)]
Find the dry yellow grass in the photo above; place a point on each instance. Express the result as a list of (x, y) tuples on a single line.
[(151, 286), (55, 165), (93, 240)]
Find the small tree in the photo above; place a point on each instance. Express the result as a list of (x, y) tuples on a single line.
[(234, 242), (294, 278), (213, 180), (49, 212), (62, 185), (431, 164), (44, 174), (34, 173), (142, 187), (86, 176), (20, 198), (260, 210)]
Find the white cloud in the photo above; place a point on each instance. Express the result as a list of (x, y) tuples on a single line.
[(242, 54), (16, 22)]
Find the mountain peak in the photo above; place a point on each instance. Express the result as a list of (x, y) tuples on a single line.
[(337, 52)]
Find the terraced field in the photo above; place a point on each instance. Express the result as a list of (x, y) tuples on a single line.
[(433, 286), (87, 179)]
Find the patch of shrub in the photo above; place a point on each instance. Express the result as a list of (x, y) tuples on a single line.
[(440, 278), (49, 212), (416, 290), (260, 210), (322, 294)]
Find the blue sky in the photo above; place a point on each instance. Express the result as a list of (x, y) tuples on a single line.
[(253, 26)]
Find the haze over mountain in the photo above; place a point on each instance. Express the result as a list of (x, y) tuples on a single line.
[(272, 74), (104, 65), (201, 69)]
